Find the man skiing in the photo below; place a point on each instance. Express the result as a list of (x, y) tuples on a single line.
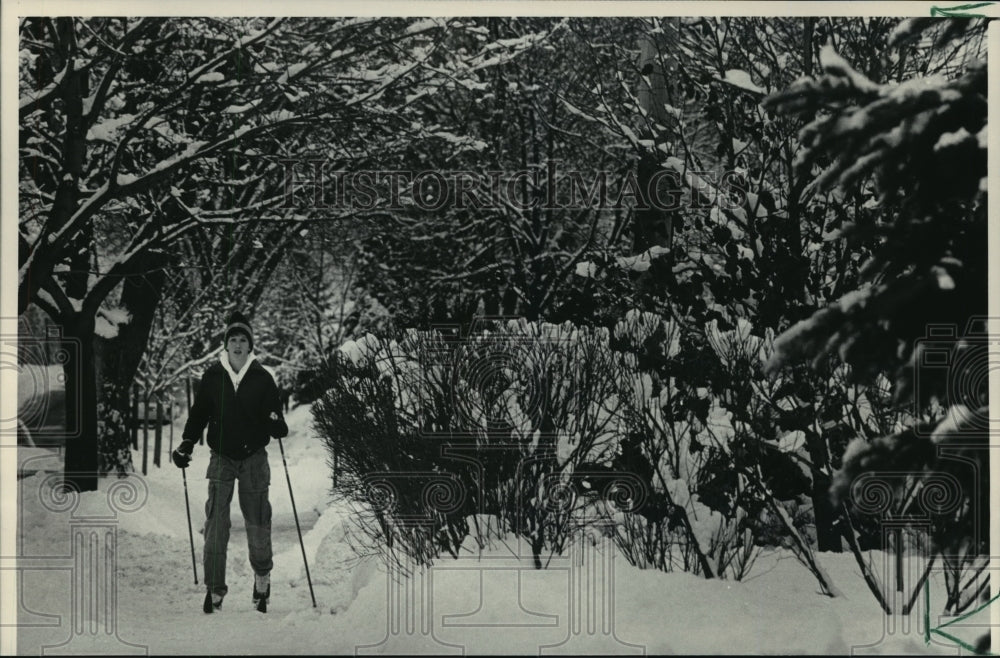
[(238, 400)]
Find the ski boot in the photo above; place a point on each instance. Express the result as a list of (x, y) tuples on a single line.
[(212, 603), (261, 592)]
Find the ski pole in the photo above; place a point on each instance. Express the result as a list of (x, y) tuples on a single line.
[(297, 527), (187, 506)]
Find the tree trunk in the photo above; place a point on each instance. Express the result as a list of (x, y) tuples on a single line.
[(121, 357), (796, 274), (81, 468), (807, 46), (537, 545), (654, 224), (827, 534)]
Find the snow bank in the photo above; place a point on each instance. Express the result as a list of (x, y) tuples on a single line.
[(585, 601)]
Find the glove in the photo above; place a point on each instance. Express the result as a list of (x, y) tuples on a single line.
[(277, 428), (181, 455)]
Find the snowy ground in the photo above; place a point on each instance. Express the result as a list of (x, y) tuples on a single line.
[(490, 603)]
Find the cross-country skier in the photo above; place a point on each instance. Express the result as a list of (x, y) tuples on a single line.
[(238, 400)]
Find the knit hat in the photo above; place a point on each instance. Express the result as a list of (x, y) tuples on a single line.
[(238, 324)]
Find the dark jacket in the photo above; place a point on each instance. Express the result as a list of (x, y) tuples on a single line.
[(239, 423)]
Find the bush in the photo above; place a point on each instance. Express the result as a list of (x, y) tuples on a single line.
[(547, 428), (506, 421)]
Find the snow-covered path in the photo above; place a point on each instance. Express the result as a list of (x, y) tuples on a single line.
[(158, 603), (484, 603)]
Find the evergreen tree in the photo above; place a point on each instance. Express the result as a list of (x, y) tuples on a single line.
[(918, 314)]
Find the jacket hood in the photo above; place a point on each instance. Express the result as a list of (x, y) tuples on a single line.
[(234, 376), (224, 361)]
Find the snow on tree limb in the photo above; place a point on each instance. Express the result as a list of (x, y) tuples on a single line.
[(31, 101)]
